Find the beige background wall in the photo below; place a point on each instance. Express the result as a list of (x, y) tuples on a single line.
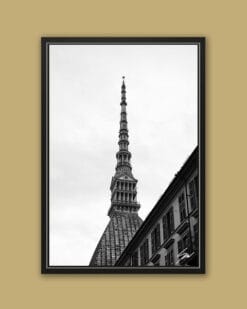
[(22, 25)]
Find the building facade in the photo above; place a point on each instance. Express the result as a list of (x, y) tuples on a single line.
[(123, 212), (169, 236)]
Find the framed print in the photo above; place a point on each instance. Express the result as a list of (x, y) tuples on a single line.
[(123, 155)]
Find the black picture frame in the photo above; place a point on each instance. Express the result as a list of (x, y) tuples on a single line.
[(45, 43)]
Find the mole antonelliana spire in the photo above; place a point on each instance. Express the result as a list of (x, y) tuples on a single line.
[(123, 212)]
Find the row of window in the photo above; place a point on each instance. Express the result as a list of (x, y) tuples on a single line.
[(182, 244), (123, 136), (125, 185), (123, 158), (168, 227), (124, 197)]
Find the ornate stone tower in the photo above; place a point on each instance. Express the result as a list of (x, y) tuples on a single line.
[(123, 212)]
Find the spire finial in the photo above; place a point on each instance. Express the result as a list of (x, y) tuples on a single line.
[(123, 77)]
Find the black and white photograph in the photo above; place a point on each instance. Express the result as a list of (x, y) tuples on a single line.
[(123, 155)]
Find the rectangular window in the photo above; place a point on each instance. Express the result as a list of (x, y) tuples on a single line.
[(153, 241), (135, 259), (196, 235), (180, 246), (155, 238), (142, 254), (146, 255), (168, 224), (169, 260), (193, 193), (165, 229), (184, 243), (196, 186), (182, 208)]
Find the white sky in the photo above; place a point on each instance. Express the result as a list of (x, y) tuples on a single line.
[(85, 93)]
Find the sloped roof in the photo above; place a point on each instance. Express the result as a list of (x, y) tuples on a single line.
[(118, 233)]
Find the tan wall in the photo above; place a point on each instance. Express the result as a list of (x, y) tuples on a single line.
[(224, 25)]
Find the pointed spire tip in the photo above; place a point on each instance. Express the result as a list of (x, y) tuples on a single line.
[(123, 84)]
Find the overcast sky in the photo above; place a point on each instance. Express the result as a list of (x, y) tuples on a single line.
[(85, 94)]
